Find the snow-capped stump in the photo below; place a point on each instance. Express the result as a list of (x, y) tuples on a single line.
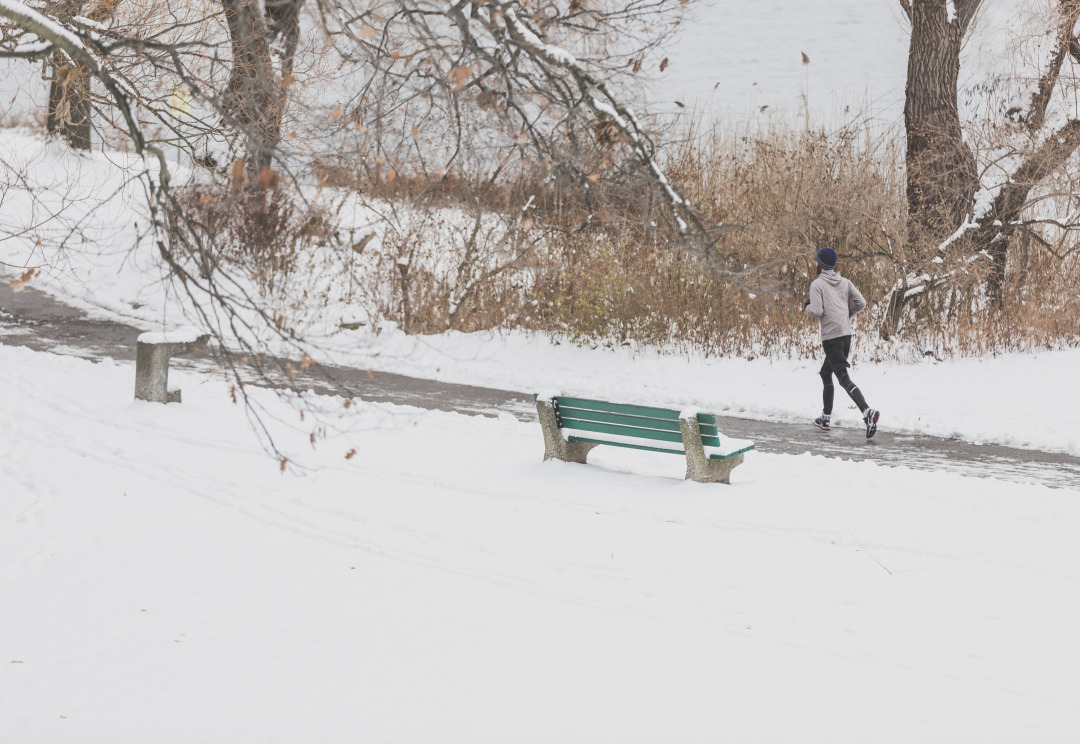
[(152, 362), (710, 456)]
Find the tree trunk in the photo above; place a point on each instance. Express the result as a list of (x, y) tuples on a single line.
[(941, 172), (68, 115), (69, 102), (999, 226), (70, 106), (256, 92), (894, 308), (283, 20), (255, 95)]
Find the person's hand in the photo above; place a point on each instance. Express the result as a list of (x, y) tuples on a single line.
[(806, 304)]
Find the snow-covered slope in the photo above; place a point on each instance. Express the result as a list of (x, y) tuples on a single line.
[(163, 581)]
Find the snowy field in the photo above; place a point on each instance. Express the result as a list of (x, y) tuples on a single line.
[(164, 582)]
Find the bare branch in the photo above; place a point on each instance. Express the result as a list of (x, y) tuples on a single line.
[(1067, 43), (965, 13)]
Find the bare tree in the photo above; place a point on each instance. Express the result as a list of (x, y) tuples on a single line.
[(1048, 151), (941, 171), (546, 70), (545, 67), (954, 211), (256, 95)]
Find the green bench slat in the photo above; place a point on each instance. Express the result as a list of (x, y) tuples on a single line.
[(625, 444), (730, 455), (626, 410), (567, 413), (634, 431), (646, 422), (573, 438), (707, 420), (624, 431)]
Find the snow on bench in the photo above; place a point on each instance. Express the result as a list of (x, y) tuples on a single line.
[(574, 426)]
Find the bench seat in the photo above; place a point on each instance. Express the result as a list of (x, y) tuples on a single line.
[(574, 426)]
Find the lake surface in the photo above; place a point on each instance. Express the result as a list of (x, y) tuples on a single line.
[(744, 60), (741, 61)]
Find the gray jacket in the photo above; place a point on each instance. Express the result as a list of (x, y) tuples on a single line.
[(835, 301)]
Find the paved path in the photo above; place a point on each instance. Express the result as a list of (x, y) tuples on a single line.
[(33, 319)]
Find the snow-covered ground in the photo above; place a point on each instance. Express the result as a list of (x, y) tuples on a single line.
[(1022, 400), (163, 581)]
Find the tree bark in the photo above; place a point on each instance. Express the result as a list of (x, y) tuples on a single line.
[(68, 114), (255, 97), (283, 21), (69, 102), (1005, 214), (70, 106), (1066, 45), (941, 171), (942, 175)]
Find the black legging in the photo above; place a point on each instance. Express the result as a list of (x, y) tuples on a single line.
[(845, 382), (836, 351)]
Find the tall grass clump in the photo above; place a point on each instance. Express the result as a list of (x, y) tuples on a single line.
[(779, 195)]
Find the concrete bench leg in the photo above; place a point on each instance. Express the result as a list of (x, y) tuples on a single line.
[(555, 444), (152, 367), (698, 466)]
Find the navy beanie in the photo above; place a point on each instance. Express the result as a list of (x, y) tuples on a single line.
[(826, 258)]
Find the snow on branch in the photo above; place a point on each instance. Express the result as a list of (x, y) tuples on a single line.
[(28, 50), (45, 27)]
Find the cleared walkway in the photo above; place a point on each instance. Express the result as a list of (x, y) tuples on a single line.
[(34, 319)]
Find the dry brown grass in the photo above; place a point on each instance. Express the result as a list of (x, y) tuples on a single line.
[(781, 194), (625, 280)]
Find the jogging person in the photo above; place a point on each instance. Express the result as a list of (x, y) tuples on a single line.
[(834, 301)]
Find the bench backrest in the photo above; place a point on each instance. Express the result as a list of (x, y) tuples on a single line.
[(639, 422)]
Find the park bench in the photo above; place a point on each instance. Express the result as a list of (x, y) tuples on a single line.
[(574, 426)]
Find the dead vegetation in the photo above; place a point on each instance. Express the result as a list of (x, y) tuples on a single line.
[(779, 195)]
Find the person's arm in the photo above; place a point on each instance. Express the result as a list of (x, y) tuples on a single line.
[(816, 306), (856, 301)]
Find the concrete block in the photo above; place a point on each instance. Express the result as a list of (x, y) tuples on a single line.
[(154, 350), (698, 465), (556, 445)]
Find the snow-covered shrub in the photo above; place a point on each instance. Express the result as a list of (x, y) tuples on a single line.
[(259, 233)]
